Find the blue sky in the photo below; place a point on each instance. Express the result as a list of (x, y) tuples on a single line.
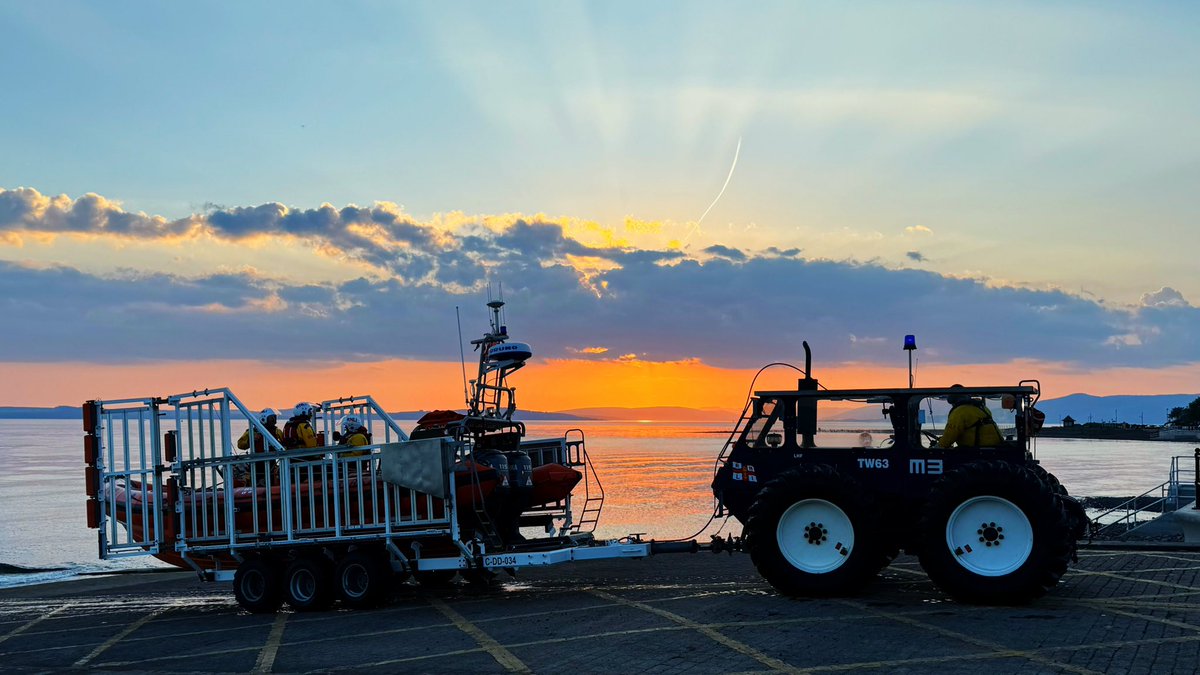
[(1007, 162)]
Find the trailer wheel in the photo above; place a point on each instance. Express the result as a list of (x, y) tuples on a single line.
[(812, 532), (363, 579), (306, 584), (994, 533), (256, 586)]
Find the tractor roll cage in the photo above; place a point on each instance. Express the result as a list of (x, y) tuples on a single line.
[(796, 410)]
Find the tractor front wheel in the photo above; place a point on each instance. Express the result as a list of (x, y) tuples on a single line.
[(812, 532)]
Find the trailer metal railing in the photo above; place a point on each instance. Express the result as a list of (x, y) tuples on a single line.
[(366, 409), (165, 476)]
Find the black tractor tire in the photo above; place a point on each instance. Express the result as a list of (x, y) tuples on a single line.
[(256, 586), (308, 584), (812, 532), (1081, 524), (363, 579), (1055, 485), (994, 533)]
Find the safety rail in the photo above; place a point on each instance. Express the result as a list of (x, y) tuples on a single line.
[(165, 476), (328, 493), (121, 448), (736, 432), (363, 407), (1163, 498), (593, 498)]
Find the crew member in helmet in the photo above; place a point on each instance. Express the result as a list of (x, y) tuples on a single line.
[(298, 432), (969, 424), (269, 419), (354, 434)]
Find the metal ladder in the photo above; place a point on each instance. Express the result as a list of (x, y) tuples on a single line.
[(593, 499)]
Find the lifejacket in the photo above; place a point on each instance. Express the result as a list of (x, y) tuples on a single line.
[(260, 443), (291, 433), (980, 423), (356, 439), (346, 440)]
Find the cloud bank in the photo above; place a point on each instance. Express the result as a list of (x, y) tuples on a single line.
[(725, 306)]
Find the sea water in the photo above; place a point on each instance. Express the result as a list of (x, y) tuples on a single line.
[(656, 478)]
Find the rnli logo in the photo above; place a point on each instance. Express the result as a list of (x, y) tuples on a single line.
[(744, 472)]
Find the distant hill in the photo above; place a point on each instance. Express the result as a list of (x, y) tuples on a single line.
[(658, 413), (1132, 409), (1150, 410), (62, 412)]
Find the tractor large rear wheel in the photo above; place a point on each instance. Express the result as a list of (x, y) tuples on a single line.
[(812, 532), (994, 533)]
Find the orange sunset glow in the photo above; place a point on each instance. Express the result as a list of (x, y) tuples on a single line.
[(553, 385)]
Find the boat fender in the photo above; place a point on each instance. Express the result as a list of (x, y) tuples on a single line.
[(91, 476), (90, 413), (91, 449), (93, 513), (170, 448)]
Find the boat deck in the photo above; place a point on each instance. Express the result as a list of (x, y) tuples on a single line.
[(1116, 611)]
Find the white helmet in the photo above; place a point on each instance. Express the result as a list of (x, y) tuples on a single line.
[(350, 424), (304, 410), (268, 416)]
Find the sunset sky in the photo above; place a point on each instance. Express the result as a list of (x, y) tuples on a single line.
[(290, 199)]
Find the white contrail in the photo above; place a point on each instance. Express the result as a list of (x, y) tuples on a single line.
[(696, 226)]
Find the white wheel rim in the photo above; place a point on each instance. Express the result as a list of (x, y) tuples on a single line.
[(355, 580), (989, 536), (303, 585), (815, 536), (254, 585)]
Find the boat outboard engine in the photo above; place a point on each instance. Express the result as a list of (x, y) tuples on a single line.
[(499, 461), (499, 504), (520, 478)]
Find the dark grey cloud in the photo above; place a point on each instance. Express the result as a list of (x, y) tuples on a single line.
[(727, 313), (731, 308), (726, 252), (916, 256)]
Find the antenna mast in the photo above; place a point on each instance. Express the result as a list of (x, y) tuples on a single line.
[(462, 356)]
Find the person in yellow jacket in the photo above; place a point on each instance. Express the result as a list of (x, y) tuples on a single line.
[(269, 419), (298, 432), (969, 424), (355, 434)]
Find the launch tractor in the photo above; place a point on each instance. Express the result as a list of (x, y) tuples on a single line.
[(988, 523)]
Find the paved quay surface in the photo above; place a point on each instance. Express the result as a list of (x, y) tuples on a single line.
[(1116, 611)]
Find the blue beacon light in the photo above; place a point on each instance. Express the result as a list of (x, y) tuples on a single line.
[(910, 345)]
